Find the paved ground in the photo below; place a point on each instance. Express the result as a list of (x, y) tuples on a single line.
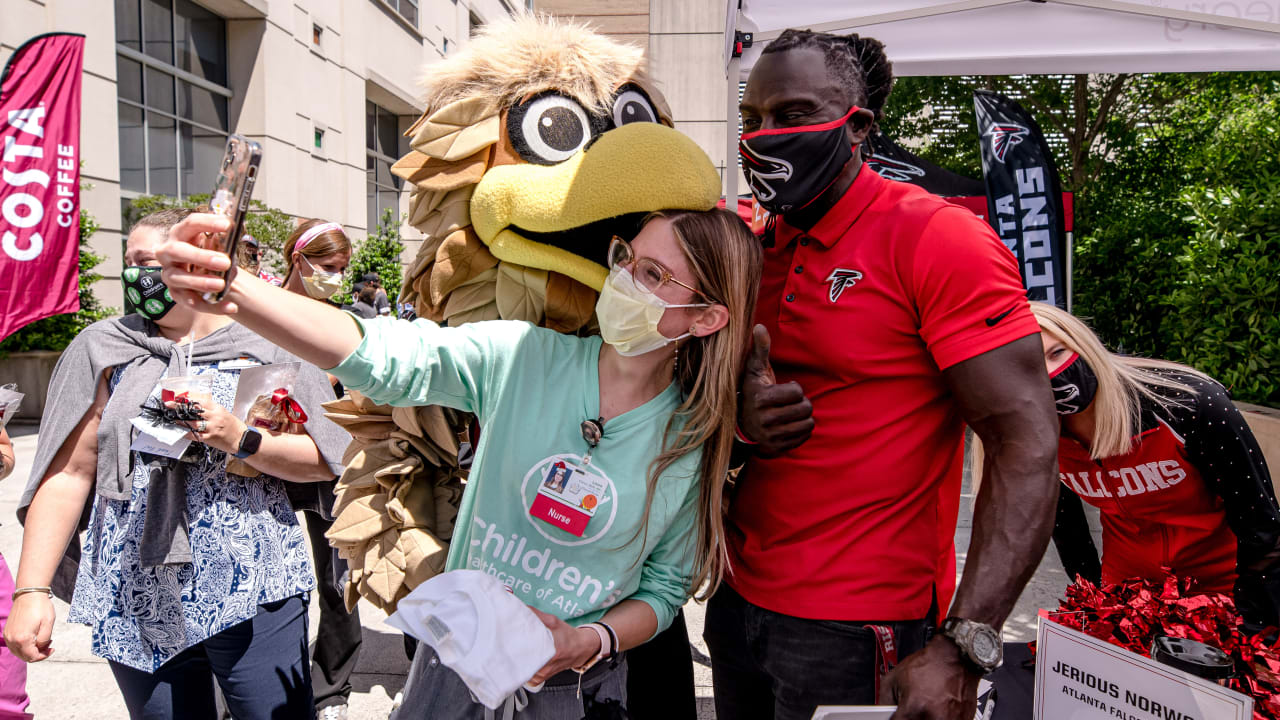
[(74, 685)]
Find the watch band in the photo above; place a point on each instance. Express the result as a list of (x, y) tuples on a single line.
[(250, 441), (606, 646)]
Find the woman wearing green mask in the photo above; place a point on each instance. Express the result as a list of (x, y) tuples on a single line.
[(640, 420), (318, 253)]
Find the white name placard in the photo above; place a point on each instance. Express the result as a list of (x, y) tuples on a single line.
[(1079, 677)]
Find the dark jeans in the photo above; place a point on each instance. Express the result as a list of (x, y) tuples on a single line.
[(260, 665), (766, 665), (338, 636), (665, 663)]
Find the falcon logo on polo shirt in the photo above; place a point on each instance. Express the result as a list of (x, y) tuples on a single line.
[(840, 280)]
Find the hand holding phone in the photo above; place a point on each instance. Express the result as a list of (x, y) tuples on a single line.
[(231, 193)]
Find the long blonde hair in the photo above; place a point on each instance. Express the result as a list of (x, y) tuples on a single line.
[(1123, 381), (726, 261)]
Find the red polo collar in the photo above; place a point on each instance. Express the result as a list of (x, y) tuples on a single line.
[(836, 223)]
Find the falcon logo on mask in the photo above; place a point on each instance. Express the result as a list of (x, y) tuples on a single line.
[(1005, 136), (840, 280), (761, 168)]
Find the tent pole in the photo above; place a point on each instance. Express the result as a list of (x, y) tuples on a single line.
[(731, 134)]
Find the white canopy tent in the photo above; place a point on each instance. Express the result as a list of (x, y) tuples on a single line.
[(1014, 37)]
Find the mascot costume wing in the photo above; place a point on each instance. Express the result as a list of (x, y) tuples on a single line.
[(541, 140)]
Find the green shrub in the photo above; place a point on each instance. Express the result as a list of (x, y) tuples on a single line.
[(55, 333), (378, 253)]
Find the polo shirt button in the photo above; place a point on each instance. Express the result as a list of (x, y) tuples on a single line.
[(799, 269), (791, 297), (804, 241)]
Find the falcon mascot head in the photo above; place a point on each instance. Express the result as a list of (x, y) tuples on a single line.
[(541, 140)]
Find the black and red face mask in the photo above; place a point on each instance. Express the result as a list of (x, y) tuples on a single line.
[(1074, 385), (788, 168)]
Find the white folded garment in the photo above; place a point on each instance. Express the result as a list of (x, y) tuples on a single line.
[(479, 629)]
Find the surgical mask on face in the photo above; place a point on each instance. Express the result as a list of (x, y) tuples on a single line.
[(145, 293), (323, 283), (788, 168), (629, 316), (1074, 386)]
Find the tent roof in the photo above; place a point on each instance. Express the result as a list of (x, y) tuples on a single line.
[(1006, 37)]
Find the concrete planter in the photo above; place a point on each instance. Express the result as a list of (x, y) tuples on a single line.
[(31, 372)]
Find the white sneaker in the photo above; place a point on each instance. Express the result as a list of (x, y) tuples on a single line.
[(397, 701), (333, 712)]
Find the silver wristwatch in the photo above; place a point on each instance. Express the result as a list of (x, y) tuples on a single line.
[(980, 645)]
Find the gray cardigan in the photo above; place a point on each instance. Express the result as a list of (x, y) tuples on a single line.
[(136, 344)]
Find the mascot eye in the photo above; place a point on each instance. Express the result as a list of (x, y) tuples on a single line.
[(550, 129), (632, 105)]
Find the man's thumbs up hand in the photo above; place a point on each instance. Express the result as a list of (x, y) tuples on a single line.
[(776, 417)]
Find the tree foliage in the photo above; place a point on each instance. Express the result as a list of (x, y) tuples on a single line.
[(1177, 204), (56, 332), (379, 253)]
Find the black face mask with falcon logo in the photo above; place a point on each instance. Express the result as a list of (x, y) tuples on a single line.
[(1074, 386), (788, 168)]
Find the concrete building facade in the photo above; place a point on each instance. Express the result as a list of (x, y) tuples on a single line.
[(325, 86), (684, 43)]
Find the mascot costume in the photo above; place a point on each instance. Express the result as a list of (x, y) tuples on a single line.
[(540, 141)]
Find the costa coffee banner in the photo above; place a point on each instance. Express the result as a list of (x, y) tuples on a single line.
[(40, 180), (1024, 197)]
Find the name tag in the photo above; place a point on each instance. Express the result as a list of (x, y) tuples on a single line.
[(568, 497)]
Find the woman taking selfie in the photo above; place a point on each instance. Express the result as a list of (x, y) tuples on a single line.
[(189, 574), (1163, 453), (643, 415)]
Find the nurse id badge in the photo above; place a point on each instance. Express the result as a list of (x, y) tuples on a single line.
[(568, 497)]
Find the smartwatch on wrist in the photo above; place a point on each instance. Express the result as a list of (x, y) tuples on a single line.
[(608, 646), (250, 441)]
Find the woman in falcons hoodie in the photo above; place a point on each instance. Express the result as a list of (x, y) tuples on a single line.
[(1169, 461)]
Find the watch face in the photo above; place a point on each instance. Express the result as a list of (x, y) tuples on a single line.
[(985, 647)]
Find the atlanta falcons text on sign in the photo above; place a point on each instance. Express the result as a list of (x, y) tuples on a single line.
[(1005, 136), (840, 280)]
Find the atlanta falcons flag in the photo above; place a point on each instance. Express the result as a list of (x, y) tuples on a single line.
[(1024, 197), (40, 187)]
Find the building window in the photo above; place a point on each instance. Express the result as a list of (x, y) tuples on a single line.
[(172, 96), (316, 32), (408, 9), (474, 23), (319, 139), (383, 146)]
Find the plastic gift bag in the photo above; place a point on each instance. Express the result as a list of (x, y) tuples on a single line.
[(10, 399), (264, 400)]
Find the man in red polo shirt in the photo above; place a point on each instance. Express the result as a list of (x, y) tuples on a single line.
[(895, 319)]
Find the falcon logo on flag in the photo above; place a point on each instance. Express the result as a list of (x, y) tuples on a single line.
[(891, 169), (841, 280), (1005, 136)]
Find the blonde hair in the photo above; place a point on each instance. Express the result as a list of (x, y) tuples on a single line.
[(726, 261), (325, 244), (1123, 382)]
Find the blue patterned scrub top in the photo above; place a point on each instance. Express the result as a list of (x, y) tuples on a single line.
[(246, 546)]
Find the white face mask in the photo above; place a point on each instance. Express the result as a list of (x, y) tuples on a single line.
[(323, 283), (629, 316)]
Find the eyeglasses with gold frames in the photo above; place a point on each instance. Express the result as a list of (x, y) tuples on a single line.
[(648, 274)]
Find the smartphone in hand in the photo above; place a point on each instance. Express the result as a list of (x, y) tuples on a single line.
[(231, 193)]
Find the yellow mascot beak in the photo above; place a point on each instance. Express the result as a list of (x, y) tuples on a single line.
[(562, 217)]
